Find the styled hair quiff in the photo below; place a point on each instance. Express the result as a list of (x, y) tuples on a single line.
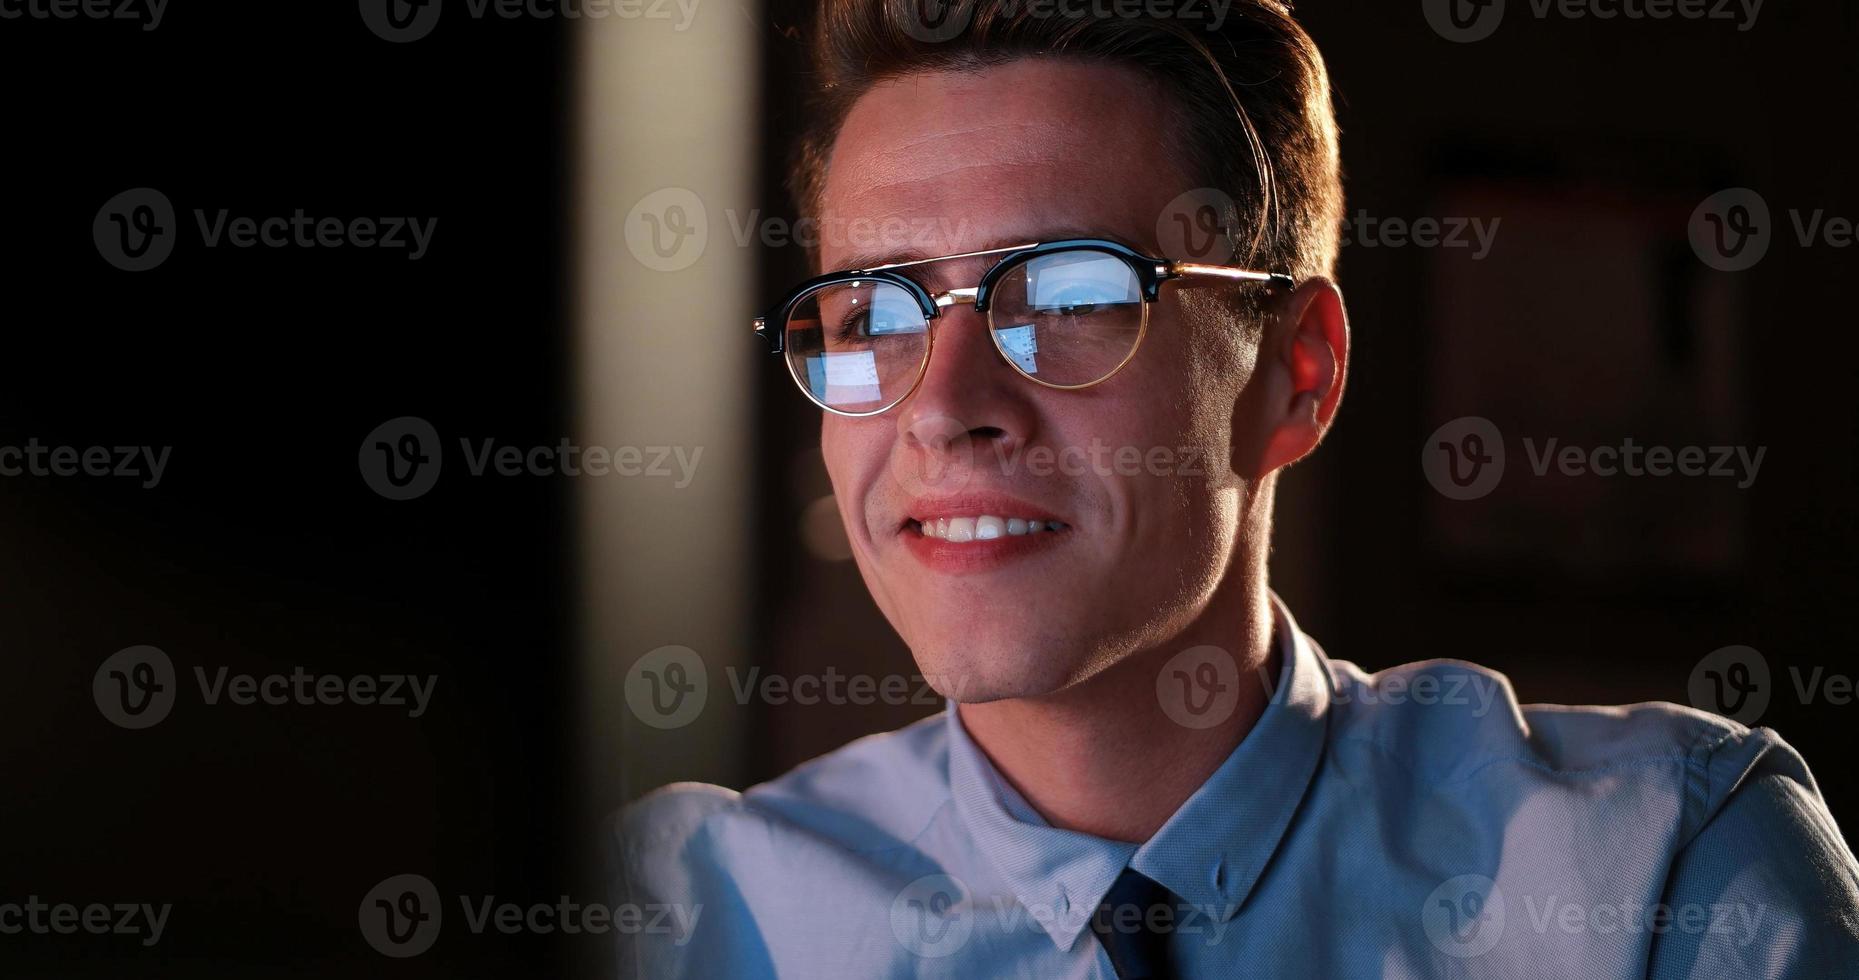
[(1249, 103)]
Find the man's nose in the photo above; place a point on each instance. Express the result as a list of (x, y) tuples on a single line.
[(968, 392)]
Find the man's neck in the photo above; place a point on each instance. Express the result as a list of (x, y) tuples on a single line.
[(1105, 757)]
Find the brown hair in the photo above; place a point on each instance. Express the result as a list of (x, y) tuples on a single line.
[(1250, 101)]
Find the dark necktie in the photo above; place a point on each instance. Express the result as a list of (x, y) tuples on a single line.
[(1134, 932)]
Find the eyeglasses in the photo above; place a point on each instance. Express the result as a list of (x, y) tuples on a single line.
[(1067, 315)]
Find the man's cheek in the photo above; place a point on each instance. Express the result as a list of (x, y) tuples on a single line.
[(854, 468)]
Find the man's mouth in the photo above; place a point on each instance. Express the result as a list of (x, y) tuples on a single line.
[(982, 527)]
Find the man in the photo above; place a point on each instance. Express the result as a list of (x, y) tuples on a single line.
[(1146, 769)]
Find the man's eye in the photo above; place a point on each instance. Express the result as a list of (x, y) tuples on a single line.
[(1079, 301), (864, 323), (856, 324)]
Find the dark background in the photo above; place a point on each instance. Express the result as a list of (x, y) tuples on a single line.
[(263, 549)]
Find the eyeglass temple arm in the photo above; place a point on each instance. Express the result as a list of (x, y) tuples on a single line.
[(1277, 280)]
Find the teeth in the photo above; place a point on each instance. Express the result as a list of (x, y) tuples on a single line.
[(985, 527)]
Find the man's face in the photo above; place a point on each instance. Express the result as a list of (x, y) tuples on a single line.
[(1136, 469)]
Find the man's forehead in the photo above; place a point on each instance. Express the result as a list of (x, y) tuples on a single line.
[(949, 162)]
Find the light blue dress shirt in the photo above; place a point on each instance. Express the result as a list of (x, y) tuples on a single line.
[(1416, 822)]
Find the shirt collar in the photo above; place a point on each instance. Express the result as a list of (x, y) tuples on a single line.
[(1210, 853)]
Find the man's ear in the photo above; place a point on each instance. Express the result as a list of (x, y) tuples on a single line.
[(1298, 380)]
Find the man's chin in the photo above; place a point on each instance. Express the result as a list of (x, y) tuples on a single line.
[(967, 676)]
